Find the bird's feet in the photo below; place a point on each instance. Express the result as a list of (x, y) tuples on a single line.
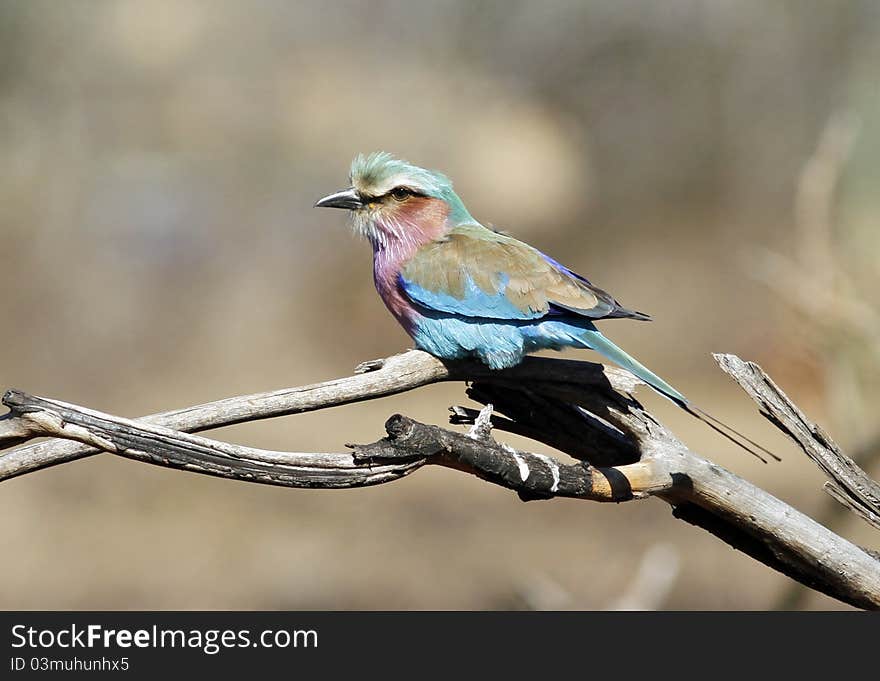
[(370, 365)]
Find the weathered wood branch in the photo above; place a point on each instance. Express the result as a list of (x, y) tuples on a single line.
[(580, 408), (374, 379), (174, 449), (533, 476), (708, 496), (409, 446), (848, 483)]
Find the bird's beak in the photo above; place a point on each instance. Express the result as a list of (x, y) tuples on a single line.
[(347, 198)]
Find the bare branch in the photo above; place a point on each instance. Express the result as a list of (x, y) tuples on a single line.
[(849, 484), (165, 447), (409, 445), (533, 476), (378, 378), (578, 407)]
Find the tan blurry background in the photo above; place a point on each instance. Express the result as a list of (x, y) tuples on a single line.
[(158, 165)]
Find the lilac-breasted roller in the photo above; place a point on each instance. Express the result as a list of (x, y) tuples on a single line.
[(463, 290)]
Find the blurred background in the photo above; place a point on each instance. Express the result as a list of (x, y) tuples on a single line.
[(713, 162)]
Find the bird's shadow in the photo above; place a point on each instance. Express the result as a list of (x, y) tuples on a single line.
[(570, 405)]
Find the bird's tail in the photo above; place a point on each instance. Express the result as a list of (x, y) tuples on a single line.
[(594, 340)]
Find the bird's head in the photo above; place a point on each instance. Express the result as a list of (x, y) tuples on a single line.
[(392, 201)]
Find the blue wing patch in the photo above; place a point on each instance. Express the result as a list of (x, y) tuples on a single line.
[(474, 303)]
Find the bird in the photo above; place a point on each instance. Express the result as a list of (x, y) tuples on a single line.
[(464, 290)]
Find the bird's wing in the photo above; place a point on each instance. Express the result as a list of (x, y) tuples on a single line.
[(475, 272)]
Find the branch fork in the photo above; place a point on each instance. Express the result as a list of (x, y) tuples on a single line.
[(587, 411)]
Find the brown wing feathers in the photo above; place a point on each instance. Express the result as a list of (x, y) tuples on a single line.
[(491, 260)]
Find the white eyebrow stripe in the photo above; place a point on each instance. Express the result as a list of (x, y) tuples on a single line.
[(420, 184), (392, 182)]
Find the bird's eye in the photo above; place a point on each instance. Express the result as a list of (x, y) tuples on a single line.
[(401, 193)]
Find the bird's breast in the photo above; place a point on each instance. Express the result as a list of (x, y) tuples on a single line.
[(386, 271)]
